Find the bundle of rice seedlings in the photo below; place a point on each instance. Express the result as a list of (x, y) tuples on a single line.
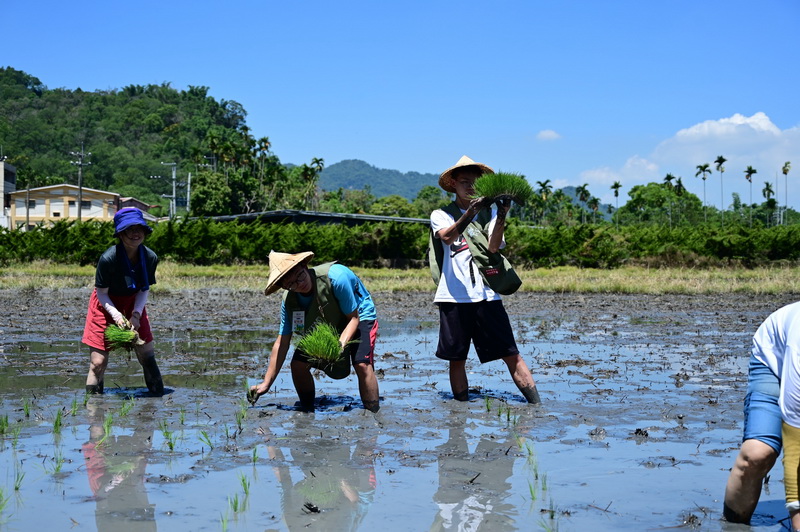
[(502, 185), (321, 344), (121, 337)]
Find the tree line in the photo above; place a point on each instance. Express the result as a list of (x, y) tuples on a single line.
[(130, 131), (204, 241)]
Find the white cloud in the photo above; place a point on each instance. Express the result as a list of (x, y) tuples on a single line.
[(743, 140), (547, 134), (738, 124), (636, 171)]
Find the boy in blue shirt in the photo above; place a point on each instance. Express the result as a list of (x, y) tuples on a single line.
[(333, 294)]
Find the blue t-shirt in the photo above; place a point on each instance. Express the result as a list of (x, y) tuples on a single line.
[(349, 291)]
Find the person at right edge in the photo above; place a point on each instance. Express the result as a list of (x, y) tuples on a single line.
[(469, 310)]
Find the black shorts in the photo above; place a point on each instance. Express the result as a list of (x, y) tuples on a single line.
[(485, 323), (361, 350)]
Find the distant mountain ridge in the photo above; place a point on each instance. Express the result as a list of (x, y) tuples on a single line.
[(356, 174)]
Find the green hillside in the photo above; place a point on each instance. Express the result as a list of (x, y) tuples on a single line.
[(353, 174)]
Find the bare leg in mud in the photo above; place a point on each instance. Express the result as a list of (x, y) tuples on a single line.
[(754, 461), (98, 362), (368, 386), (304, 384), (152, 375), (458, 380), (522, 377)]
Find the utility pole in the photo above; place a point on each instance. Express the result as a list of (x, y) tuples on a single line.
[(172, 205), (188, 193), (80, 164), (213, 159)]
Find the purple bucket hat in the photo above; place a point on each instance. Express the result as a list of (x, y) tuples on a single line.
[(128, 217)]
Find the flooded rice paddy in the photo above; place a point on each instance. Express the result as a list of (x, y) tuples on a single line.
[(640, 422)]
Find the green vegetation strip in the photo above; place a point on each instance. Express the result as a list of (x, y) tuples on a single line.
[(173, 276)]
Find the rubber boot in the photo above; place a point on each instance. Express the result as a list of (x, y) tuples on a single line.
[(152, 377), (95, 389)]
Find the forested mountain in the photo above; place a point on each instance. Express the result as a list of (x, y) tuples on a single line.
[(353, 174), (129, 132)]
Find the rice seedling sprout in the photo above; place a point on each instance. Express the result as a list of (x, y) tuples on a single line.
[(26, 407), (245, 484), (169, 436), (74, 407), (204, 438), (532, 490), (3, 424), (18, 476), (255, 455), (58, 460), (57, 422), (127, 406), (233, 502)]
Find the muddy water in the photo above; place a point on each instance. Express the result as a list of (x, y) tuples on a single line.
[(640, 423)]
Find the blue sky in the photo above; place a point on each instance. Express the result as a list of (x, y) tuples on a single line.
[(571, 91)]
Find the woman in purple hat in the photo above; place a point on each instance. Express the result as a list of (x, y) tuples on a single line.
[(122, 282)]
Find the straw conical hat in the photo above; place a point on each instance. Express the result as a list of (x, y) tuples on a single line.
[(446, 179), (280, 264)]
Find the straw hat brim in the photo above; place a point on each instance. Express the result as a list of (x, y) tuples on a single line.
[(446, 179), (280, 264)]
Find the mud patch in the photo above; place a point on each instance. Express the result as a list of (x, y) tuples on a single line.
[(640, 423)]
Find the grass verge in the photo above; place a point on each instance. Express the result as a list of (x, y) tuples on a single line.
[(630, 280)]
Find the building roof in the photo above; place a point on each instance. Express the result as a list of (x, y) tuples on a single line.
[(64, 185)]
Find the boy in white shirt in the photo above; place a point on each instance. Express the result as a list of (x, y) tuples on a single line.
[(469, 310)]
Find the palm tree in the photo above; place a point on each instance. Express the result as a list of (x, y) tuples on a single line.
[(544, 191), (583, 195), (786, 167), (748, 174), (593, 204), (704, 170), (767, 192), (721, 169), (679, 190), (615, 187), (559, 198), (668, 180)]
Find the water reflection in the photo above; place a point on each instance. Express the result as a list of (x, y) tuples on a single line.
[(325, 481), (116, 467), (474, 485)]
